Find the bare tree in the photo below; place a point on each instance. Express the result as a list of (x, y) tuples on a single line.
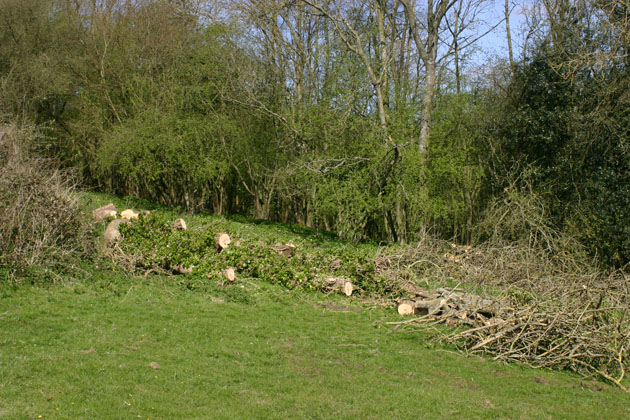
[(507, 11), (377, 65), (427, 48)]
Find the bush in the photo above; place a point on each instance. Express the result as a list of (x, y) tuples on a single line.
[(40, 220)]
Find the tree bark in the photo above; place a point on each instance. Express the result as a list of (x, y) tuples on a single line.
[(509, 34)]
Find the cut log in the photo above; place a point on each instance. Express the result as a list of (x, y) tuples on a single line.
[(179, 268), (340, 284), (221, 241), (407, 307), (230, 274), (179, 224), (129, 214), (348, 288), (285, 250), (104, 212), (112, 233)]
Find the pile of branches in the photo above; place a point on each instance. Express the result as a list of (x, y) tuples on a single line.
[(556, 309), (587, 334), (41, 224)]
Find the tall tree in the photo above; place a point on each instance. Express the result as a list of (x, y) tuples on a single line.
[(508, 31), (377, 64), (426, 38)]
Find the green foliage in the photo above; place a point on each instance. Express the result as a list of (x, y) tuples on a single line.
[(168, 158), (154, 245), (566, 139), (455, 173), (150, 98)]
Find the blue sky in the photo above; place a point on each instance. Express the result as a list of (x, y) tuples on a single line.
[(495, 43)]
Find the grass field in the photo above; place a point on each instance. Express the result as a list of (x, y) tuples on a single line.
[(105, 345), (85, 351)]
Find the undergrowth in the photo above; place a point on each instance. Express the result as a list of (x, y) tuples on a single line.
[(151, 245)]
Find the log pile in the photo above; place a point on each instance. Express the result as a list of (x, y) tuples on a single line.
[(452, 307), (580, 327)]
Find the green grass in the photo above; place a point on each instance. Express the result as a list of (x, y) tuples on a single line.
[(83, 351)]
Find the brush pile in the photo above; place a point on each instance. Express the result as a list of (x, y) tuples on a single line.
[(41, 225), (540, 309)]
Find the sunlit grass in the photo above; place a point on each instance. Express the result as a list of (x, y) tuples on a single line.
[(85, 351)]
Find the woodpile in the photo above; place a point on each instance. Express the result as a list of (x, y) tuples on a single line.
[(104, 212), (338, 284), (580, 327), (452, 306)]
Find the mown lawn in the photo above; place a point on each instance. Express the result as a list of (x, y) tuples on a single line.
[(85, 350)]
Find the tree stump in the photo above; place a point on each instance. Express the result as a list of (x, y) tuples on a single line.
[(221, 241), (112, 234), (179, 224)]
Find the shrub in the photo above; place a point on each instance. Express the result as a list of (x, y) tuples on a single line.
[(40, 220)]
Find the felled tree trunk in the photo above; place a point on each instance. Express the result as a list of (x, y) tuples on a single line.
[(285, 250), (129, 214), (339, 284), (230, 274), (179, 224), (180, 269), (407, 307)]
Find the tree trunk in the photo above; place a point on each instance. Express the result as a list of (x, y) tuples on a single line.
[(509, 34), (427, 106)]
